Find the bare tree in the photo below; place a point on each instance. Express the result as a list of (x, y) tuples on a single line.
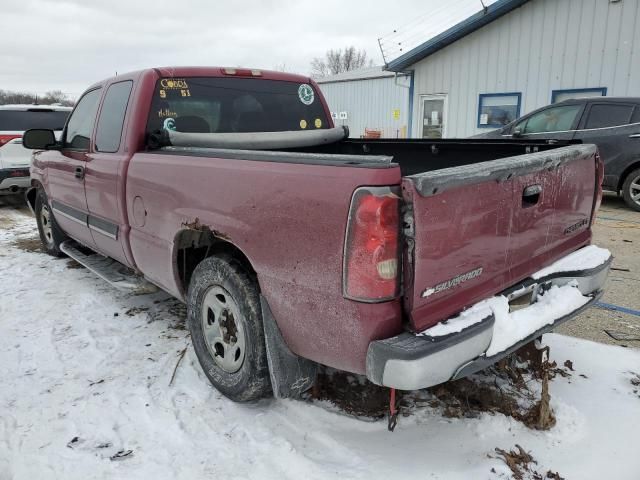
[(54, 96), (338, 61)]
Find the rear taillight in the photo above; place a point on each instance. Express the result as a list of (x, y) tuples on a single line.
[(4, 139), (371, 253), (598, 190)]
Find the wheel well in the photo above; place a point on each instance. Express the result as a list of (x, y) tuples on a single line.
[(626, 172), (195, 244)]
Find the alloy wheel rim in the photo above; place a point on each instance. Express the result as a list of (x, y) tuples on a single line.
[(634, 190), (45, 220), (223, 329)]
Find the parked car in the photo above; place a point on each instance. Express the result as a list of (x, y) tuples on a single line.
[(14, 158), (613, 124), (293, 245)]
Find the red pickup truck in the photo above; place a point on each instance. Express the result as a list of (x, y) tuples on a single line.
[(413, 262)]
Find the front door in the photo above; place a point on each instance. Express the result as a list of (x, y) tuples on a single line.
[(433, 115), (66, 170)]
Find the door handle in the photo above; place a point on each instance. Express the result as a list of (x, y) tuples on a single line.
[(635, 135), (79, 172)]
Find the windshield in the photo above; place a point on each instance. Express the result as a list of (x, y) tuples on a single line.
[(20, 120), (228, 105)]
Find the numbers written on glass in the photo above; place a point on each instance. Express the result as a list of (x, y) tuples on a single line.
[(183, 92)]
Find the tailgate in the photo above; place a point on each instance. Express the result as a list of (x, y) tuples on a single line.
[(475, 230)]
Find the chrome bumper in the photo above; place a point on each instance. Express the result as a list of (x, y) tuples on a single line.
[(410, 362)]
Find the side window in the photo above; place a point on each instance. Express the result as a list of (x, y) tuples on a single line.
[(556, 119), (111, 118), (603, 115), (80, 125)]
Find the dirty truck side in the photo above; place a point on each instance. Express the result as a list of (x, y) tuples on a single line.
[(294, 246)]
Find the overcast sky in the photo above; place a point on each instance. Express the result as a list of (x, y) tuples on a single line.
[(67, 45)]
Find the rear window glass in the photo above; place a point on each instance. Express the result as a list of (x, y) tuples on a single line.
[(25, 119), (601, 116), (229, 105)]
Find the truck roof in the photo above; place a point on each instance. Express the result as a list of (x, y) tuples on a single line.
[(186, 71)]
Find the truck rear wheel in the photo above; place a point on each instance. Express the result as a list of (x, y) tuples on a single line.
[(631, 189), (225, 322), (51, 235)]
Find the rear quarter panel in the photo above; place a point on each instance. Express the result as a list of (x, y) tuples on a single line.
[(289, 220)]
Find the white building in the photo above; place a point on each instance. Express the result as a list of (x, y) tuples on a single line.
[(505, 61), (369, 99), (519, 55)]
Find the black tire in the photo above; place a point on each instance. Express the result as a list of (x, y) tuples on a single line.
[(222, 274), (51, 235), (629, 190)]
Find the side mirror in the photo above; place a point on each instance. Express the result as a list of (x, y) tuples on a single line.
[(39, 139), (517, 133)]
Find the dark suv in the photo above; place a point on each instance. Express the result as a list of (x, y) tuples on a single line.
[(613, 124)]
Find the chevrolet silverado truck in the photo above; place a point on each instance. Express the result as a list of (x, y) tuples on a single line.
[(413, 262)]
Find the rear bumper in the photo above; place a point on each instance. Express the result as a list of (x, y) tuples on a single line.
[(409, 361), (14, 179)]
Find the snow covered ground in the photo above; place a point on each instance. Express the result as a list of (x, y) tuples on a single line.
[(85, 372)]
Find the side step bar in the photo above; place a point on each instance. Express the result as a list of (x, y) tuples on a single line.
[(118, 275)]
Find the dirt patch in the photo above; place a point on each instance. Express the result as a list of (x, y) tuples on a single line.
[(521, 464), (29, 244), (513, 387), (135, 311), (635, 382), (171, 310), (72, 264), (503, 388), (6, 223), (352, 394)]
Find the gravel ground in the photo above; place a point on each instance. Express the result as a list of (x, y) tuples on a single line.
[(618, 229)]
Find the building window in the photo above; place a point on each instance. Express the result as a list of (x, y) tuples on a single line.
[(497, 109), (560, 95)]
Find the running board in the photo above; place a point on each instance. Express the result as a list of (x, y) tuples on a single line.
[(110, 270)]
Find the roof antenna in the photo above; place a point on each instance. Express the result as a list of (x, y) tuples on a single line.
[(484, 7)]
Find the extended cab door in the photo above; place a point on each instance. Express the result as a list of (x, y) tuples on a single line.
[(611, 127), (66, 169), (105, 175)]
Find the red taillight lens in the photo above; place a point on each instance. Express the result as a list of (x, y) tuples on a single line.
[(598, 190), (4, 139), (371, 255)]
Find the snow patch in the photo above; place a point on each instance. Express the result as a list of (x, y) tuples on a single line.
[(470, 316), (583, 259), (510, 328)]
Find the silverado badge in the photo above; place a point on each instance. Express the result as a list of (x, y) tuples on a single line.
[(454, 282)]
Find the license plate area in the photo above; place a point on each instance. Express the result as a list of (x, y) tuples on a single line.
[(522, 298)]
